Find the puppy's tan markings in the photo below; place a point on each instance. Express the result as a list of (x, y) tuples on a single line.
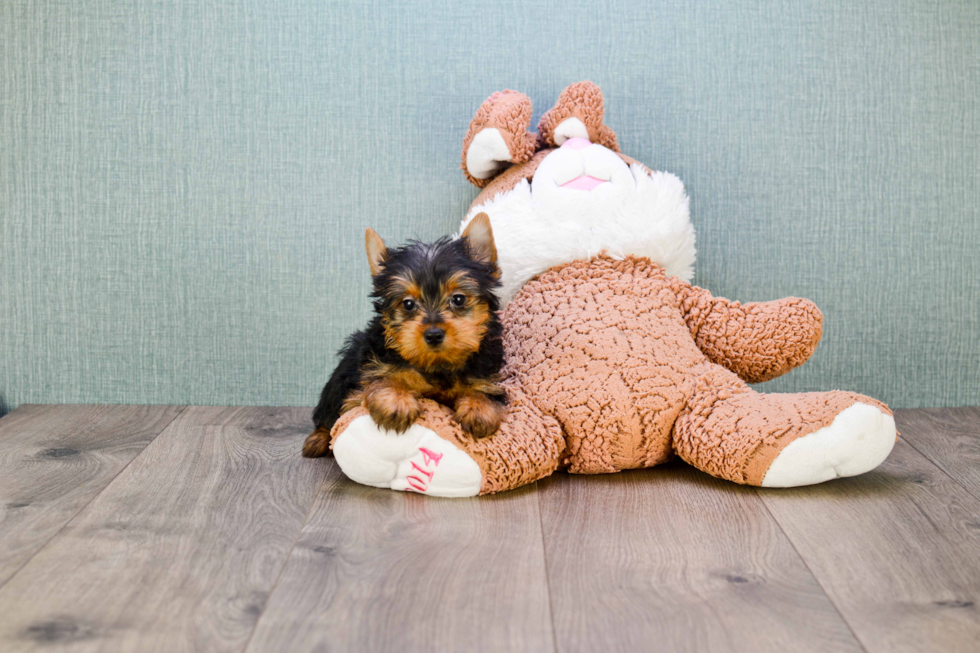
[(479, 237), (317, 444), (478, 414), (392, 395), (477, 410), (353, 400), (377, 253), (392, 407)]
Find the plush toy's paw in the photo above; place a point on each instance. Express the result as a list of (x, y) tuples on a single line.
[(498, 136), (858, 440), (416, 461)]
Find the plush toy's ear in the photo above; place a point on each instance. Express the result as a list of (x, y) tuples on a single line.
[(479, 236), (577, 114), (376, 251), (498, 136)]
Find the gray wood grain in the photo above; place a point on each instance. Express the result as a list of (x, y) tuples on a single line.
[(214, 538), (896, 549), (376, 570), (671, 559), (949, 438), (180, 552), (55, 459)]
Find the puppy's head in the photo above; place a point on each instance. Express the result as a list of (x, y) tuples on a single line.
[(437, 300)]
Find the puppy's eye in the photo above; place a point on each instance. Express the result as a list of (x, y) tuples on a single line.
[(408, 304), (458, 300)]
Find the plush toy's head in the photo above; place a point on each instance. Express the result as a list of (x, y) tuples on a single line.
[(567, 193)]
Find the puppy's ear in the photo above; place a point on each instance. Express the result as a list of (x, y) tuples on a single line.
[(479, 236), (376, 251)]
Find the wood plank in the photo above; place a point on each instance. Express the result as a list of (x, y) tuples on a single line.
[(376, 570), (55, 459), (672, 559), (896, 549), (949, 438), (180, 552)]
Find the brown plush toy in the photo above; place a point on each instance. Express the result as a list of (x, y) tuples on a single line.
[(614, 360)]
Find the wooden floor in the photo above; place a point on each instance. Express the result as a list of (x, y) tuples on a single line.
[(159, 528)]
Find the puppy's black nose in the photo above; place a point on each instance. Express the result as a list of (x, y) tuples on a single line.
[(434, 336)]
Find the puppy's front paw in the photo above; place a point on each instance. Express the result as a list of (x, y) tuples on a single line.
[(478, 415), (398, 421), (393, 409)]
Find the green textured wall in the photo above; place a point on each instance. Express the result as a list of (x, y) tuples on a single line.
[(184, 185)]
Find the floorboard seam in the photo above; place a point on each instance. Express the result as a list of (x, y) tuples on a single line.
[(285, 561), (81, 509), (945, 473), (815, 578), (547, 573)]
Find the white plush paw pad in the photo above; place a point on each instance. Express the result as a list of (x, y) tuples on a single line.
[(487, 154), (417, 460), (858, 440)]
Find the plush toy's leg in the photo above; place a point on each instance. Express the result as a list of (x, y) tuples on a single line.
[(435, 457), (780, 440)]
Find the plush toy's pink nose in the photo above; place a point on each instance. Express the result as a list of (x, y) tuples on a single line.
[(576, 143)]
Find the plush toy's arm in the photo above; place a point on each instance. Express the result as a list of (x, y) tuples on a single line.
[(758, 341)]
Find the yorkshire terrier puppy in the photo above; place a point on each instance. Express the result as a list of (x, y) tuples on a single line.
[(435, 334)]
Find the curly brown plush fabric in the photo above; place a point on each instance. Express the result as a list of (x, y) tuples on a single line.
[(509, 112), (582, 100), (612, 365), (756, 341)]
